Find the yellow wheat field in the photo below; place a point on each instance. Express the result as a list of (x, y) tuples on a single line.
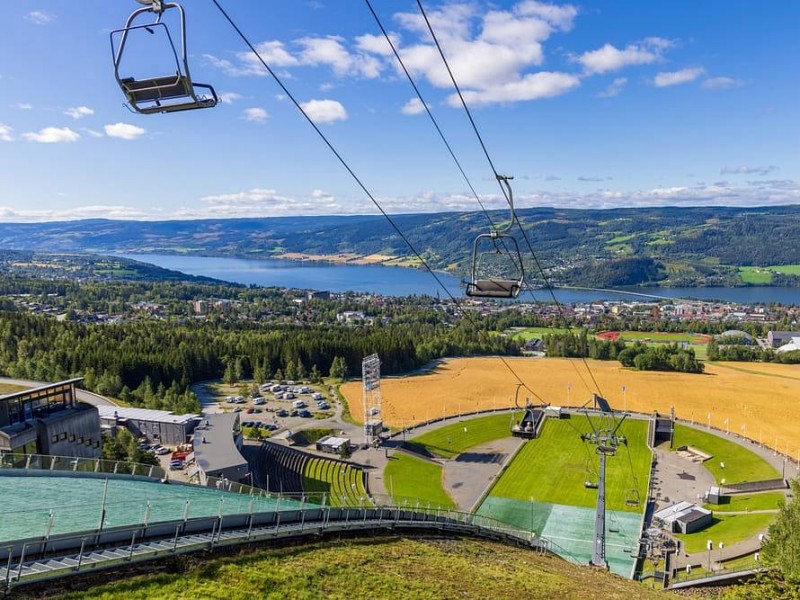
[(759, 400)]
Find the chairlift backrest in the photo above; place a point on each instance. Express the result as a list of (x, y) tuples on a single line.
[(170, 92), (511, 280)]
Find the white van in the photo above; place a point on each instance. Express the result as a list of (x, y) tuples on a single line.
[(298, 404)]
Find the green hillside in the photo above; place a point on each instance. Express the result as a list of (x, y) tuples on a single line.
[(374, 568)]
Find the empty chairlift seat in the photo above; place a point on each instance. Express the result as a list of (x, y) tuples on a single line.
[(173, 92)]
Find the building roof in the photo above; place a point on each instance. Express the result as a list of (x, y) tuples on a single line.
[(144, 414), (685, 512), (334, 441), (791, 346), (41, 388), (214, 446)]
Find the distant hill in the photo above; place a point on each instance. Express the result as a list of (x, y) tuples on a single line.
[(684, 246)]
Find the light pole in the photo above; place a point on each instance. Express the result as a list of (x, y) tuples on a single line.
[(624, 400), (709, 546), (569, 394), (709, 420)]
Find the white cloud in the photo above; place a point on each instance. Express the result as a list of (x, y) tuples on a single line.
[(745, 170), (97, 211), (490, 53), (560, 17), (6, 133), (721, 83), (124, 131), (229, 97), (531, 87), (79, 112), (22, 106), (52, 135), (413, 107), (39, 17), (255, 115), (677, 77), (615, 88), (331, 51), (325, 111), (610, 58)]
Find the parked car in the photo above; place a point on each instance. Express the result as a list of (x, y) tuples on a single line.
[(293, 413), (237, 409), (305, 414), (161, 451), (298, 404), (258, 401), (324, 406), (270, 426), (249, 411), (281, 413)]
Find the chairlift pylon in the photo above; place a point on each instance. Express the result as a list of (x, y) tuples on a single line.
[(172, 92), (509, 283)]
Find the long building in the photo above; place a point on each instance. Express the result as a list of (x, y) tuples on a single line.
[(49, 420), (217, 445), (159, 426)]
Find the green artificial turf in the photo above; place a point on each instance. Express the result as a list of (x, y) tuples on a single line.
[(408, 478), (455, 438), (554, 467)]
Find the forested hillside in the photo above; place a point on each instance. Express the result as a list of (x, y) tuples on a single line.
[(683, 246)]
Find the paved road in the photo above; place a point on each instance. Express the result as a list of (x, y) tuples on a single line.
[(83, 395)]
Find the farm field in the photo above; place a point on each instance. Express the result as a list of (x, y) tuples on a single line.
[(410, 478), (554, 467), (453, 439), (760, 396), (740, 464)]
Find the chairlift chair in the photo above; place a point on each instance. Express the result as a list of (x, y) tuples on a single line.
[(168, 93), (509, 283)]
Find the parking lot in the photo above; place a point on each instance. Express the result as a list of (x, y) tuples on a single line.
[(280, 406)]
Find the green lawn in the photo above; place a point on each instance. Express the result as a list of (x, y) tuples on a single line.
[(410, 478), (728, 529), (740, 463), (528, 333), (554, 467), (661, 336), (453, 439), (744, 502)]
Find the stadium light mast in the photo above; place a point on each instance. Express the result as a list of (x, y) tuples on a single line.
[(606, 440), (373, 409)]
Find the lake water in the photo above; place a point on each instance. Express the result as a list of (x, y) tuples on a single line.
[(397, 281)]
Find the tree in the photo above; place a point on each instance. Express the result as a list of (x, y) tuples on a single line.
[(339, 368), (782, 548)]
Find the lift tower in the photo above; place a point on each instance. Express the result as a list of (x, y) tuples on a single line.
[(606, 441), (373, 417)]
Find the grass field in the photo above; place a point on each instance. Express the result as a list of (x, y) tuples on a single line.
[(755, 275), (761, 396), (528, 333), (9, 389), (453, 439), (786, 269), (554, 467), (740, 463), (661, 336), (728, 529), (373, 568), (409, 478), (746, 502)]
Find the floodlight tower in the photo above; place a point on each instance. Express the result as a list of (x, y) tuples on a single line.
[(373, 416), (606, 441)]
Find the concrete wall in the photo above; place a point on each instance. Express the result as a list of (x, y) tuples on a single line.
[(61, 434)]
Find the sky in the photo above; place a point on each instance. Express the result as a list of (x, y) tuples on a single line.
[(587, 104)]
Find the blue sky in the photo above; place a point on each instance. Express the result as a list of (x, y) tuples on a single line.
[(589, 104)]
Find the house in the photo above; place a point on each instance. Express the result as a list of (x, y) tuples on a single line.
[(683, 517)]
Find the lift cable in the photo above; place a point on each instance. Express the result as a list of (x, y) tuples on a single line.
[(360, 184), (538, 264), (438, 128)]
